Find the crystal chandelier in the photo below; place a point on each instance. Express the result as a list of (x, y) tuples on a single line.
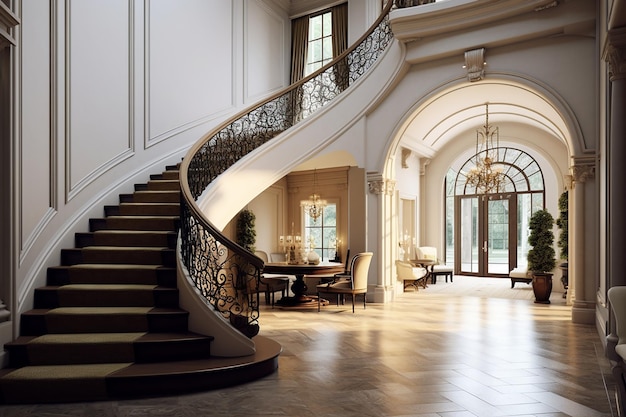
[(314, 206), (486, 175)]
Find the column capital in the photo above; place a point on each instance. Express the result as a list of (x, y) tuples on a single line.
[(406, 153), (423, 164), (377, 184), (583, 169), (615, 53)]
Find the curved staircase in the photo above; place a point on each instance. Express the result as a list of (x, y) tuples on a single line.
[(108, 324)]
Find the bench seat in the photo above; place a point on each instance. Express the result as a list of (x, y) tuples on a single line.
[(519, 274)]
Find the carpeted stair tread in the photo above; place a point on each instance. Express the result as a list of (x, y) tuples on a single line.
[(58, 372), (37, 322), (113, 295), (61, 383), (50, 349)]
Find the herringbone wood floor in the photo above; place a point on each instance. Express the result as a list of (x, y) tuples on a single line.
[(474, 347)]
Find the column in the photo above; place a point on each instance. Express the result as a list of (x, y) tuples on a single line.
[(380, 200), (616, 154), (615, 55), (582, 251)]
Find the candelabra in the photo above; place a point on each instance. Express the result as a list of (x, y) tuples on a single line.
[(292, 247)]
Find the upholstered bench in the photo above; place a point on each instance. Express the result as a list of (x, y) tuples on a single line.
[(444, 270), (519, 274)]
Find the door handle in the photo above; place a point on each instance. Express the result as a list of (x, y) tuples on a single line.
[(485, 246)]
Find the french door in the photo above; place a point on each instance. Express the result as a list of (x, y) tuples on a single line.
[(487, 227)]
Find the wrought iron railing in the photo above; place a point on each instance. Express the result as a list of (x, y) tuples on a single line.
[(226, 274)]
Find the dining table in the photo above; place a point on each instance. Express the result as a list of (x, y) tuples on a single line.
[(300, 299)]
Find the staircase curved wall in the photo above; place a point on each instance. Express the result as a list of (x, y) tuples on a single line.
[(95, 114)]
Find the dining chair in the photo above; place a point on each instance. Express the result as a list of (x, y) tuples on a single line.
[(345, 274), (355, 285), (278, 257), (270, 284)]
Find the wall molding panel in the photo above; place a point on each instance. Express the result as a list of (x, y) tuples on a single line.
[(267, 29), (104, 70), (180, 92)]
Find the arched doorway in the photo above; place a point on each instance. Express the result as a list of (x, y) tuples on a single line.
[(488, 231)]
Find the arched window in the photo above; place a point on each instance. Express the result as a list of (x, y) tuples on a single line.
[(487, 234)]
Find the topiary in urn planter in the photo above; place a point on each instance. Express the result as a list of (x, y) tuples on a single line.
[(541, 258)]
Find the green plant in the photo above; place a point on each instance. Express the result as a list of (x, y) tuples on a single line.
[(541, 258), (562, 223), (245, 233)]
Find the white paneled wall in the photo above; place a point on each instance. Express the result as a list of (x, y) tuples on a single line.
[(109, 92), (98, 57), (192, 56), (35, 125)]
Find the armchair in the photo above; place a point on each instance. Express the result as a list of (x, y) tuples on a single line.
[(355, 284), (430, 253), (411, 276)]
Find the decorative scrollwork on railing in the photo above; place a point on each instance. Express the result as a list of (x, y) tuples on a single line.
[(226, 274), (401, 4)]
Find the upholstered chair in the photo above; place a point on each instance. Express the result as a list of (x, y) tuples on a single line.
[(430, 253), (411, 276), (355, 284), (271, 283)]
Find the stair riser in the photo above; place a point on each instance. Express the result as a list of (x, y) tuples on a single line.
[(122, 223), (140, 209), (151, 197), (118, 352), (159, 185), (166, 175), (65, 275), (53, 298), (39, 324), (147, 239), (165, 257)]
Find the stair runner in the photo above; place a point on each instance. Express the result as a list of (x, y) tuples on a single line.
[(108, 325)]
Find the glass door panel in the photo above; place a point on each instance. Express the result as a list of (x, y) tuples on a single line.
[(497, 237), (469, 246)]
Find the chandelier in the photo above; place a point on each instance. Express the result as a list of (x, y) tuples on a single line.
[(314, 206), (486, 175)]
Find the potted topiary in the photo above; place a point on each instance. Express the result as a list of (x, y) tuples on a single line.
[(562, 223), (246, 235), (541, 258)]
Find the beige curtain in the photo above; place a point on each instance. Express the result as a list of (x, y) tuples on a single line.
[(340, 44), (299, 47)]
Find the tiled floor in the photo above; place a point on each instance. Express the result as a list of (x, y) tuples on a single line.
[(474, 347)]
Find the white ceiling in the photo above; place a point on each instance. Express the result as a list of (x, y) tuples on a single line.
[(457, 113)]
